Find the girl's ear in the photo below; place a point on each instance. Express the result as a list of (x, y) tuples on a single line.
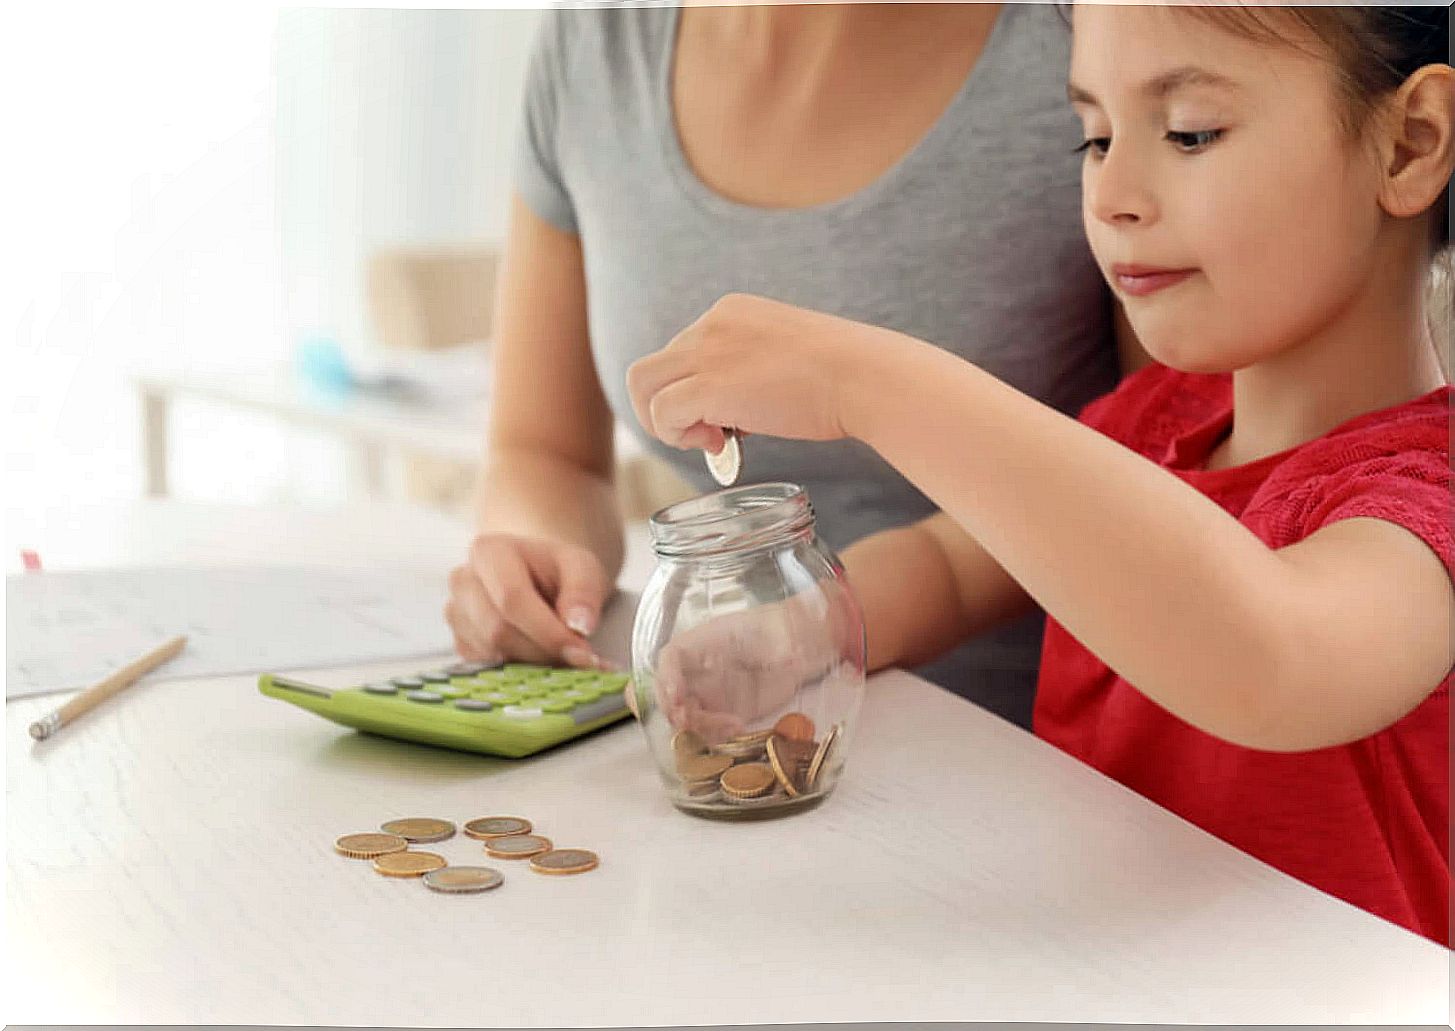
[(1418, 149)]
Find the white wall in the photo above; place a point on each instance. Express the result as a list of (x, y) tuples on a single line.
[(394, 127), (179, 202)]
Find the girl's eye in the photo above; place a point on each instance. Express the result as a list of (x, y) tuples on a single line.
[(1098, 145), (1192, 142)]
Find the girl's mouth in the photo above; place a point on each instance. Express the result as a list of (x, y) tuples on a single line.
[(1141, 280)]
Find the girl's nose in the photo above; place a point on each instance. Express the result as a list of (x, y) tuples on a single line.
[(1117, 190)]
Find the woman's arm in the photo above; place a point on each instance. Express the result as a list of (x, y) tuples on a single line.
[(1315, 645), (549, 447)]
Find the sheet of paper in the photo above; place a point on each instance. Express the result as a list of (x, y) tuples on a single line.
[(65, 630)]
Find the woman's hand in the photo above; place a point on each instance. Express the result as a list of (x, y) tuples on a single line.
[(527, 600), (761, 366)]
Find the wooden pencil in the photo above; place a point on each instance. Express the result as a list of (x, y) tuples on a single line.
[(104, 689)]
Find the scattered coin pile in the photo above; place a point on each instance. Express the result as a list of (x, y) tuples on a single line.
[(504, 837), (759, 768)]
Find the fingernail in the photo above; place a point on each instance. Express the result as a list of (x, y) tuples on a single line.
[(579, 620)]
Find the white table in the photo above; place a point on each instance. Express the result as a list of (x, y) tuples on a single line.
[(170, 860)]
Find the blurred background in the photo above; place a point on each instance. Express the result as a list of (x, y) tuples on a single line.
[(256, 250)]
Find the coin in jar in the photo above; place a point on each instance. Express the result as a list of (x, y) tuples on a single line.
[(752, 737), (369, 845), (565, 860), (462, 880), (748, 780), (517, 846), (687, 743), (727, 464), (702, 767), (740, 750), (408, 864), (821, 757), (487, 827), (420, 829), (787, 758), (795, 726)]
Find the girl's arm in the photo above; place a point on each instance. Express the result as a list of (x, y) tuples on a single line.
[(1314, 645)]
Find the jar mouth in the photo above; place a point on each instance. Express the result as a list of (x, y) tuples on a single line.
[(731, 520)]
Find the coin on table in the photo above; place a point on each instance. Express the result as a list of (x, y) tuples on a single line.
[(420, 829), (702, 767), (787, 758), (796, 726), (487, 827), (727, 464), (518, 846), (748, 780), (370, 845), (461, 880), (565, 860), (408, 864), (821, 757)]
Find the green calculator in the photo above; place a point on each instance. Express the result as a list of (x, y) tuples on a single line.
[(512, 710)]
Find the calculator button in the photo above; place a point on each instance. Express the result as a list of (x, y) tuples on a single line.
[(407, 682), (382, 687), (467, 669), (473, 705), (424, 696), (599, 708), (558, 705), (521, 712), (448, 690), (435, 677), (502, 697)]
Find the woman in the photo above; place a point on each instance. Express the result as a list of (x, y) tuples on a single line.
[(816, 154)]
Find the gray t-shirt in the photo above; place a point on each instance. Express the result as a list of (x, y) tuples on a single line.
[(972, 241)]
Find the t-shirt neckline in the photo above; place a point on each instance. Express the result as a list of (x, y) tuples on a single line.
[(715, 204), (1187, 452)]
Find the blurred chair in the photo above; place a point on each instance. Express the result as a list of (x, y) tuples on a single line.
[(434, 297)]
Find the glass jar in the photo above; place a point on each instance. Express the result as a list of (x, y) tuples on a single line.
[(747, 654)]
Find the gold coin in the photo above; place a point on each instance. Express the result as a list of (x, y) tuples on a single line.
[(487, 827), (420, 829), (820, 757), (754, 737), (701, 788), (777, 795), (369, 845), (787, 758), (795, 726), (686, 743), (408, 864), (702, 767), (565, 860), (739, 750), (517, 846), (461, 880), (748, 780)]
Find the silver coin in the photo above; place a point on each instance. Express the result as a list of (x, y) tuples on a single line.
[(461, 880), (727, 464)]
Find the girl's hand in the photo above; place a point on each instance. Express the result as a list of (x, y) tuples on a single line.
[(760, 366)]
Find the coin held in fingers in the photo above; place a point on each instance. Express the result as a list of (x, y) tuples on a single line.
[(727, 464)]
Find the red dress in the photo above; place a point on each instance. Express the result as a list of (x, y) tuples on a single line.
[(1368, 822)]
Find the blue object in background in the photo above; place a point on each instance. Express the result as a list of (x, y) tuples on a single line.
[(322, 364)]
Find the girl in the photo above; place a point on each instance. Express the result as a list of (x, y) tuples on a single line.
[(1245, 548)]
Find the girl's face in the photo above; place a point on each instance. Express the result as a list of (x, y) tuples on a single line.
[(1222, 197)]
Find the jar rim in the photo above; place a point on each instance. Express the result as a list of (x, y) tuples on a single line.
[(730, 520)]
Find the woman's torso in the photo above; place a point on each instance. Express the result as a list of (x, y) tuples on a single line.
[(972, 241)]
